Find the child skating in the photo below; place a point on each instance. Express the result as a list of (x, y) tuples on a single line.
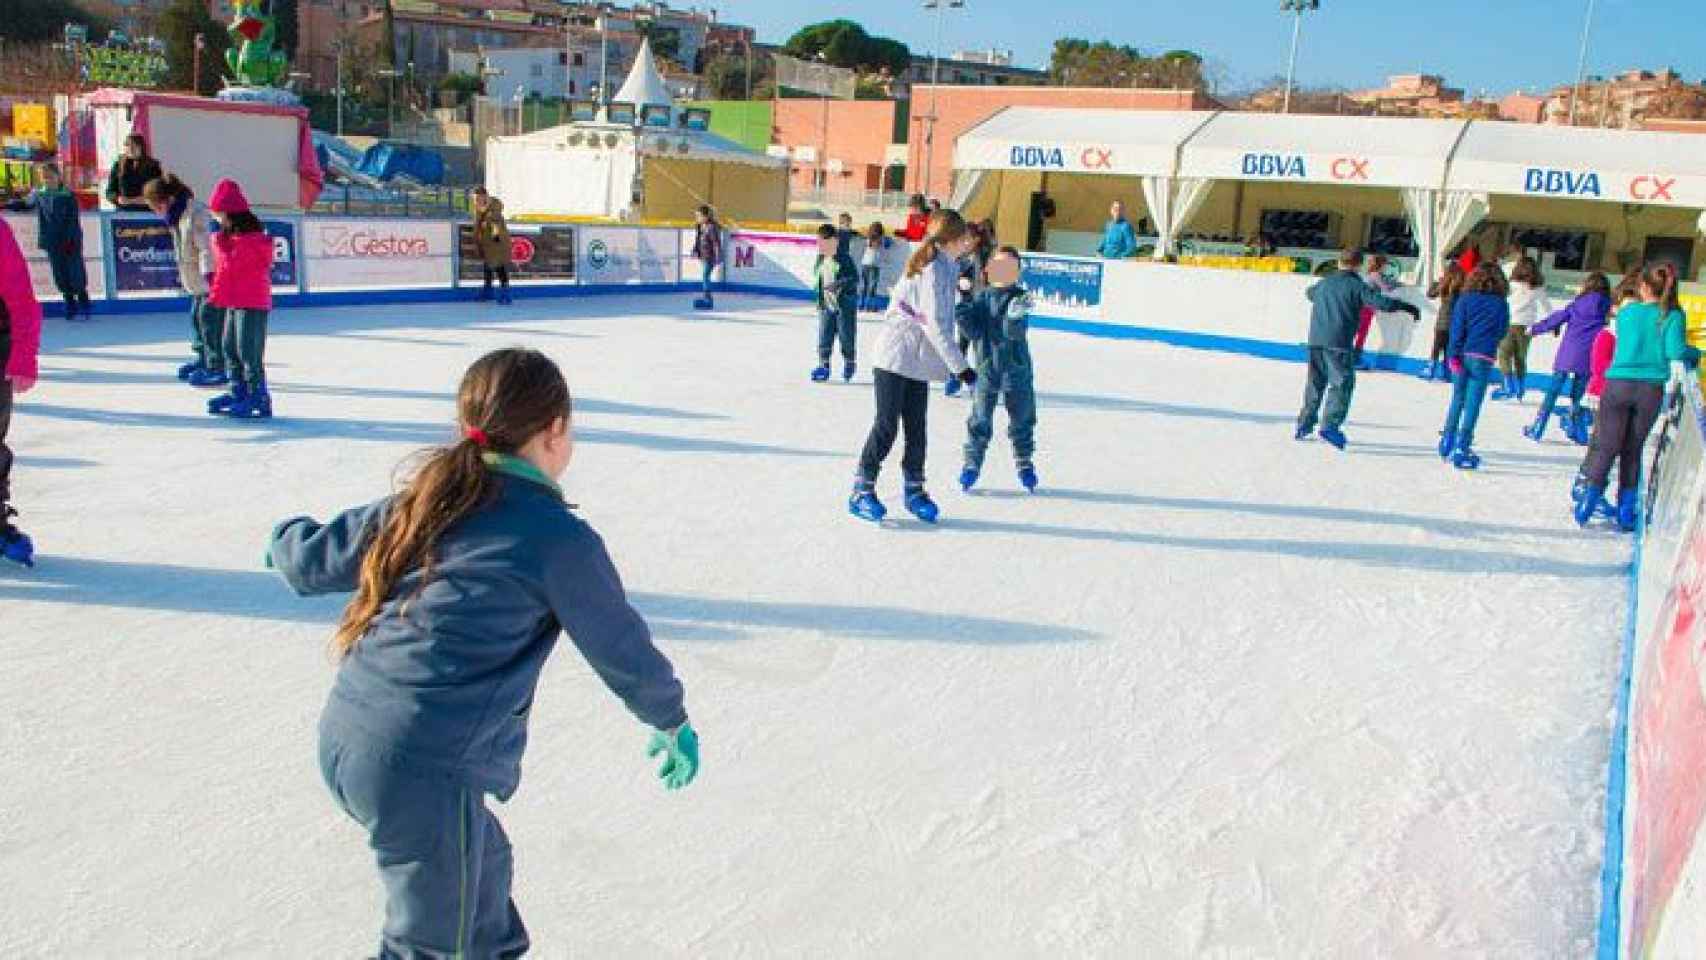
[(242, 291), (191, 226), (871, 266), (462, 583), (20, 339), (59, 233), (915, 349), (997, 322), (1479, 321), (1579, 324), (837, 305)]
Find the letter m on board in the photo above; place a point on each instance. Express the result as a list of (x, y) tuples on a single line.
[(743, 256)]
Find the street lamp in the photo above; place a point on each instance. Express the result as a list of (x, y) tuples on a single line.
[(941, 7), (1296, 8), (1581, 63), (390, 74), (195, 69)]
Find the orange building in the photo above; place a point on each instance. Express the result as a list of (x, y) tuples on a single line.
[(929, 169), (841, 142)]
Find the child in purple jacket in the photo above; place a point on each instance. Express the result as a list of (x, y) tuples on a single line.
[(1579, 323)]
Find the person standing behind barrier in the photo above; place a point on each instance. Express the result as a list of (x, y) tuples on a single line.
[(191, 226), (1480, 319), (916, 347), (242, 290), (1528, 304), (1376, 277), (20, 339), (871, 266), (1580, 324), (1338, 299), (130, 173), (917, 220), (1652, 348), (59, 233), (708, 250), (1445, 290), (491, 239), (1119, 240)]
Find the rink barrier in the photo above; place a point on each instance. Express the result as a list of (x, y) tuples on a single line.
[(1653, 877)]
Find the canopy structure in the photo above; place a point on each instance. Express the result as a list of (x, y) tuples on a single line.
[(644, 86), (1127, 142), (1350, 151), (1577, 163)]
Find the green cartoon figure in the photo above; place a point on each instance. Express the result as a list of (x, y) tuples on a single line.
[(252, 59)]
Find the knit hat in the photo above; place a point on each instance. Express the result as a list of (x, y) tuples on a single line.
[(228, 198)]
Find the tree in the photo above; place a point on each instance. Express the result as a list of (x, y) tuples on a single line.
[(178, 27), (725, 76), (287, 20), (843, 43), (43, 21), (666, 41), (1078, 62)]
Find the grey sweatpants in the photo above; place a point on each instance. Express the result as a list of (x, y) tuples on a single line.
[(246, 346), (443, 858), (1333, 377)]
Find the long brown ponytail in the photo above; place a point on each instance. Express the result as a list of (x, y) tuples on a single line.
[(946, 226), (1661, 279), (506, 399)]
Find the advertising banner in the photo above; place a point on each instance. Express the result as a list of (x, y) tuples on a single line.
[(144, 260), (536, 252), (772, 259), (624, 255), (1064, 288), (355, 253)]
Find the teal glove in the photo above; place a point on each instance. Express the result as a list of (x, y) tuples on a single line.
[(681, 763)]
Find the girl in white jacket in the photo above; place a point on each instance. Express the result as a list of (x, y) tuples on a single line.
[(192, 242), (1529, 306), (915, 349)]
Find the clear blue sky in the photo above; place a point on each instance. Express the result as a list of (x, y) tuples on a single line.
[(1479, 45)]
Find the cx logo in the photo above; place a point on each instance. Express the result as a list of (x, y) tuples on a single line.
[(1096, 159), (1349, 168), (1651, 188)]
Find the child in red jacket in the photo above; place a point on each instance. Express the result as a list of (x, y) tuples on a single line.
[(242, 287), (20, 339)]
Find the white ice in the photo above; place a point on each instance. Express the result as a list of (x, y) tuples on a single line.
[(1213, 693)]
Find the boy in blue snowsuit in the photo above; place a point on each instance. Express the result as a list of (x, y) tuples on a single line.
[(997, 321), (837, 304)]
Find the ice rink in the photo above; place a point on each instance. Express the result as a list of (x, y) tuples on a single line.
[(1211, 693)]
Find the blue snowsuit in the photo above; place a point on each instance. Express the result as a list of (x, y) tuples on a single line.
[(997, 321), (429, 712)]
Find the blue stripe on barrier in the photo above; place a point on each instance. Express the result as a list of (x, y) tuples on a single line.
[(1617, 777)]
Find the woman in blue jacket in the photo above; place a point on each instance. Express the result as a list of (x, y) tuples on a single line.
[(1119, 240), (462, 583), (1480, 318)]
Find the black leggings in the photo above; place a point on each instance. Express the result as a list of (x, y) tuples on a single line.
[(503, 277), (903, 401), (1627, 411)]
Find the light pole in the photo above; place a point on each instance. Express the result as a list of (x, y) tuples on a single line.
[(603, 49), (390, 74), (1296, 8), (1581, 64), (338, 48), (941, 8), (195, 68)]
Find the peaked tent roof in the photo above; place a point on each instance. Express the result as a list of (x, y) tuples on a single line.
[(644, 86), (1093, 140), (1631, 166), (1350, 151)]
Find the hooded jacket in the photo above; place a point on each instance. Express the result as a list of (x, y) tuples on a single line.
[(491, 235), (1581, 321), (917, 341), (20, 312)]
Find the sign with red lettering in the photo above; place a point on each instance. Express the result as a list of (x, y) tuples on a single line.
[(354, 253)]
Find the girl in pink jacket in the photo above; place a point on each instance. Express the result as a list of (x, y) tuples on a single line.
[(20, 339), (242, 288)]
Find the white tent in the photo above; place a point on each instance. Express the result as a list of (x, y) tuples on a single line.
[(1129, 142), (1623, 166), (590, 169)]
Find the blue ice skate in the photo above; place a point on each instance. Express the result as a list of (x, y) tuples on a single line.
[(14, 545), (1628, 510), (848, 370), (1028, 477), (221, 405), (919, 504), (1509, 390), (1580, 430), (1303, 433), (702, 303), (1447, 443), (952, 388), (257, 405), (204, 377), (1464, 458), (188, 370), (1590, 503), (864, 503), (1336, 437), (820, 373), (1537, 430), (968, 477), (504, 298)]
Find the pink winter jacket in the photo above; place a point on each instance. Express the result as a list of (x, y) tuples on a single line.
[(242, 271), (22, 310)]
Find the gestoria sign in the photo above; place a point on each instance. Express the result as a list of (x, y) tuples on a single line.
[(378, 253)]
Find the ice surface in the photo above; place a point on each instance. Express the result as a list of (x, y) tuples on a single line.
[(1212, 694)]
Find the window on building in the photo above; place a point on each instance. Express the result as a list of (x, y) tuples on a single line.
[(1572, 249), (1391, 236), (580, 59), (563, 59), (1304, 229), (537, 70)]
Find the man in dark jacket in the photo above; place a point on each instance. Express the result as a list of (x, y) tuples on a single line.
[(1339, 300)]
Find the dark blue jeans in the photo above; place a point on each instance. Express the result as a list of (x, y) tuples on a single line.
[(1468, 390), (1013, 387), (1573, 385), (705, 277), (839, 318), (443, 858)]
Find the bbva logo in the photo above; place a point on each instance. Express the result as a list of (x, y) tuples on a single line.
[(1273, 165), (1037, 157), (1542, 180)]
